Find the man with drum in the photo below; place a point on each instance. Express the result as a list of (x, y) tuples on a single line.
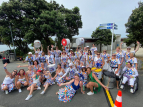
[(29, 58), (115, 67)]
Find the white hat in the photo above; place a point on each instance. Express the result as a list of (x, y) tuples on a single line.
[(71, 49), (29, 52), (129, 47), (87, 46), (71, 64), (95, 50)]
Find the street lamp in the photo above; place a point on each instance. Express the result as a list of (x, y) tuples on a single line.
[(13, 43)]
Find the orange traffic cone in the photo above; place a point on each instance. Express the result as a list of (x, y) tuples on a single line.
[(118, 102)]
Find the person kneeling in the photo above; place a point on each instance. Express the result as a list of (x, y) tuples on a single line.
[(129, 75)]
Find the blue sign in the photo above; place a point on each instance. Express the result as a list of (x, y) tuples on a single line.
[(107, 28), (107, 24)]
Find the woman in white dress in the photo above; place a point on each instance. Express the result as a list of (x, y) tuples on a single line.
[(89, 59)]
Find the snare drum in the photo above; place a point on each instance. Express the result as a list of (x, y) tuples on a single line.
[(52, 68), (109, 79)]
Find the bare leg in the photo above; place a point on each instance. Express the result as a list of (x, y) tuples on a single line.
[(18, 85), (46, 86), (32, 88), (117, 84)]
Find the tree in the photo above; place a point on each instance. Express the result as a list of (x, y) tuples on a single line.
[(37, 19), (102, 36), (134, 26)]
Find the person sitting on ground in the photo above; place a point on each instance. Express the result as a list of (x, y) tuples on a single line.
[(8, 82), (36, 84), (130, 74), (21, 79), (66, 94), (59, 73)]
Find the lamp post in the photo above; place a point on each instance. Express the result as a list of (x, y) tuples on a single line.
[(13, 43)]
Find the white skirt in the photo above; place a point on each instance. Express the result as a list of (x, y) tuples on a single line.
[(106, 65)]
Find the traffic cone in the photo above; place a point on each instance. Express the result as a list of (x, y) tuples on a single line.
[(118, 102)]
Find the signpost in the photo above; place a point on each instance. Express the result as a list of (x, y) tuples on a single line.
[(109, 26)]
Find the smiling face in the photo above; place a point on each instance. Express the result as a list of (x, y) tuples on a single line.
[(43, 53), (21, 72), (131, 55), (14, 72), (128, 49), (113, 56), (42, 64), (88, 70), (118, 49), (76, 77)]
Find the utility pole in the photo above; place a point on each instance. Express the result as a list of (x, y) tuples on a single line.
[(13, 43)]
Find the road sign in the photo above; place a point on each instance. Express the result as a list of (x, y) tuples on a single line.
[(107, 24), (108, 28)]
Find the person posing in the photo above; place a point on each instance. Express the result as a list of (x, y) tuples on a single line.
[(105, 56), (79, 65), (94, 82), (36, 84), (8, 82), (133, 61), (50, 60), (21, 79), (93, 48), (77, 52), (73, 58), (64, 60), (127, 53), (98, 61), (38, 50), (89, 59), (115, 67), (59, 73), (83, 77), (30, 74), (82, 57), (120, 56), (130, 76), (57, 53), (43, 59), (29, 58), (49, 81), (71, 70), (66, 94), (37, 58), (43, 67)]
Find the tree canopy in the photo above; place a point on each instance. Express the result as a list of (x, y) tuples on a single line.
[(37, 19), (102, 36), (134, 26)]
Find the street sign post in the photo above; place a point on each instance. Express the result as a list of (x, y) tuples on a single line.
[(109, 26)]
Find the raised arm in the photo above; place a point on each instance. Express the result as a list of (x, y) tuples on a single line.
[(67, 83), (47, 48), (34, 49), (94, 76), (138, 46), (6, 71), (121, 45), (22, 66), (41, 48)]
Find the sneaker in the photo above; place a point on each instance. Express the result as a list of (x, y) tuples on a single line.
[(28, 97), (42, 92), (6, 91), (53, 82), (20, 90), (131, 91), (90, 93), (39, 88), (122, 86)]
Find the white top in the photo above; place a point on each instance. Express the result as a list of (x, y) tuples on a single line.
[(36, 80), (8, 80), (69, 69), (135, 71), (50, 59)]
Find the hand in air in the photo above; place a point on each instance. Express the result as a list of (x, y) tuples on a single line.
[(138, 42), (5, 64), (18, 66)]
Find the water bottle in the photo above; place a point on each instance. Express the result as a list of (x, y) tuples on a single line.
[(83, 88)]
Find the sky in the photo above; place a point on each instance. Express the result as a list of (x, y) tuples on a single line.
[(96, 12)]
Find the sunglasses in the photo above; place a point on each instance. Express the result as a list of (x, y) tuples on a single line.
[(128, 49), (98, 54), (104, 51)]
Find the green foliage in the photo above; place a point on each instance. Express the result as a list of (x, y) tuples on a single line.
[(134, 25), (37, 19), (102, 36)]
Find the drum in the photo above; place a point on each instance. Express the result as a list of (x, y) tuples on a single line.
[(37, 44), (52, 68), (65, 42), (80, 41), (109, 79), (97, 72)]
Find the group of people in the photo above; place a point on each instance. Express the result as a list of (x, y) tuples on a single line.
[(72, 69)]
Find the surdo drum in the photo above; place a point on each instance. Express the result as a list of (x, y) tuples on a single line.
[(65, 42), (37, 44), (109, 79), (79, 41)]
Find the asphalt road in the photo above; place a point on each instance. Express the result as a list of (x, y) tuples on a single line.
[(50, 99)]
